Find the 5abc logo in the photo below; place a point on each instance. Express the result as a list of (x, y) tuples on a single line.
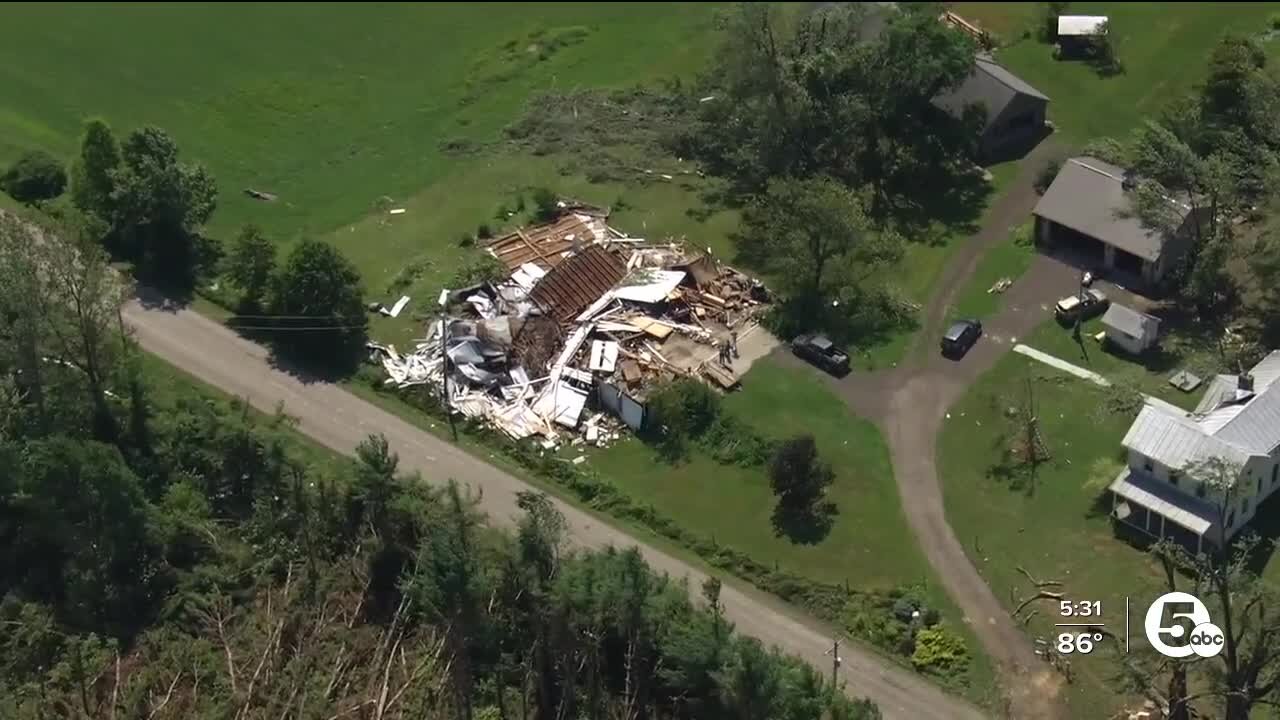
[(1189, 627)]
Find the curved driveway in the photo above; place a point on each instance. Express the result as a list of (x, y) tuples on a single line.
[(909, 404)]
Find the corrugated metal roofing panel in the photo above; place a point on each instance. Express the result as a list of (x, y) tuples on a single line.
[(576, 283)]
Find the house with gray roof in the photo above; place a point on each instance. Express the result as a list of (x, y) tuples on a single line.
[(1089, 207), (1014, 111), (1169, 489)]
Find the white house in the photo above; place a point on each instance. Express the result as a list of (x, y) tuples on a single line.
[(1129, 329), (1238, 423)]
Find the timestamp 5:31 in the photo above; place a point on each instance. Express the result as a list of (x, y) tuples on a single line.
[(1080, 608)]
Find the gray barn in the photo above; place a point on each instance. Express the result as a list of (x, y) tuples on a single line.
[(1015, 111)]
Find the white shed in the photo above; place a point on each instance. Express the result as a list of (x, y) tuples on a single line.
[(1081, 25), (1131, 330)]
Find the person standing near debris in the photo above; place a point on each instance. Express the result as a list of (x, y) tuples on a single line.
[(733, 342)]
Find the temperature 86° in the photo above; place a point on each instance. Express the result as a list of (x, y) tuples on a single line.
[(1082, 643)]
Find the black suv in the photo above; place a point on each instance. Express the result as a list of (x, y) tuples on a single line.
[(819, 350), (961, 336)]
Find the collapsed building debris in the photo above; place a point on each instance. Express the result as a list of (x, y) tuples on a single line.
[(585, 325)]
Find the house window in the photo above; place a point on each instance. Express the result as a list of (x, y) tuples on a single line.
[(1231, 519), (1200, 490), (1173, 477), (1274, 470), (1244, 506), (1146, 464), (1259, 488)]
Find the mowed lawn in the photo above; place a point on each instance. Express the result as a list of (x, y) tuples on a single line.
[(869, 544), (1057, 525), (1164, 48), (330, 106)]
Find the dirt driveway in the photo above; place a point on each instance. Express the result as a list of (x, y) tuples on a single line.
[(909, 403)]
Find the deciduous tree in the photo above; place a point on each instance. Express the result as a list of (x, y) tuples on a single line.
[(160, 205), (800, 479), (92, 174), (320, 303), (251, 265)]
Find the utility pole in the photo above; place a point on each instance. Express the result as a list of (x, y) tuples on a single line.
[(444, 363), (834, 652)]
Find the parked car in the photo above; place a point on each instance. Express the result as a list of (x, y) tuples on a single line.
[(961, 336), (819, 350), (1087, 304)]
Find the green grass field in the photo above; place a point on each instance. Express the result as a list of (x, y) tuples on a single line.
[(734, 503), (1007, 260), (329, 108), (1163, 46)]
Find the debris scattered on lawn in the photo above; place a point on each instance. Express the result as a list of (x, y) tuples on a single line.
[(1185, 381), (394, 311), (586, 323), (260, 195), (396, 211), (1001, 285)]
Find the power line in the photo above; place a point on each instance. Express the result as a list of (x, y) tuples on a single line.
[(282, 317), (275, 328)]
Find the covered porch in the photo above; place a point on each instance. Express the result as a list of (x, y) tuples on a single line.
[(1161, 511)]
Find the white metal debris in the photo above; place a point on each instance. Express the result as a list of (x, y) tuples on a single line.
[(394, 311), (604, 355), (648, 286), (396, 211)]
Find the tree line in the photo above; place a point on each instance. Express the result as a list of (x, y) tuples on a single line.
[(165, 554)]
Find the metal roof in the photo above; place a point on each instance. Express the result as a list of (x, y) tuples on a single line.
[(1249, 421), (1220, 389), (1129, 321), (990, 86), (572, 285), (1088, 196), (1163, 498), (1267, 371), (1257, 425), (1082, 25), (1177, 441)]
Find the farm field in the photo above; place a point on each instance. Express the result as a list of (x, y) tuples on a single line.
[(329, 109), (1163, 47)]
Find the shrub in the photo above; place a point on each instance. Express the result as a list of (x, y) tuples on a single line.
[(545, 204), (939, 651), (1274, 21), (1046, 175), (35, 176), (678, 413), (483, 267), (483, 231)]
